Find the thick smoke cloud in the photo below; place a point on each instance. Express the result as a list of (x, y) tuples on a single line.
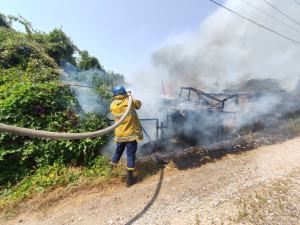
[(228, 48)]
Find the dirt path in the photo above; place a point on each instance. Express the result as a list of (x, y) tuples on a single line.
[(261, 185)]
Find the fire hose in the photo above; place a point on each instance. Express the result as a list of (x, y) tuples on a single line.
[(57, 135)]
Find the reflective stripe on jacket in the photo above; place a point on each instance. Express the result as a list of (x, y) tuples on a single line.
[(130, 129)]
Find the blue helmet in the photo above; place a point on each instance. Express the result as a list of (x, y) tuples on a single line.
[(119, 90)]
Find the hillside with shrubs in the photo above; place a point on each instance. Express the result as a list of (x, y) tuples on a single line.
[(36, 92)]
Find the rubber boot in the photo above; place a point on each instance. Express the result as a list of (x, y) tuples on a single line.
[(130, 180), (112, 167)]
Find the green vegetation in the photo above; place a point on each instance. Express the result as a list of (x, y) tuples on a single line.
[(88, 62), (46, 178), (33, 95), (44, 107)]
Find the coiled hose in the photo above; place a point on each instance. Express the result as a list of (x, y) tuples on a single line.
[(56, 135)]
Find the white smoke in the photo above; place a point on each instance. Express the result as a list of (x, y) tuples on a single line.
[(228, 48), (80, 82)]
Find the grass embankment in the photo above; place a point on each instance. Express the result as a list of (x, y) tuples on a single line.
[(48, 185)]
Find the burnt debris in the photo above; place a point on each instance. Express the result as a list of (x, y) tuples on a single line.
[(199, 118)]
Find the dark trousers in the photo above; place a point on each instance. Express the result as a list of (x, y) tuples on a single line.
[(131, 148)]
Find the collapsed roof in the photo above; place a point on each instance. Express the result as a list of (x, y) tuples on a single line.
[(257, 86)]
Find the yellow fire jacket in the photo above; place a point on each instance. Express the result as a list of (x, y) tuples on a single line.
[(130, 129)]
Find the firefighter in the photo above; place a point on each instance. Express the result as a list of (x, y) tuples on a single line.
[(128, 133)]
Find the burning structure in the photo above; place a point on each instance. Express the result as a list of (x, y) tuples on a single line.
[(196, 117), (200, 118)]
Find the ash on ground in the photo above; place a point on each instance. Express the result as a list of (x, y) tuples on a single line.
[(195, 156)]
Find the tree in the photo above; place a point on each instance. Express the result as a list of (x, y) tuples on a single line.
[(60, 47), (3, 21), (113, 79), (88, 62)]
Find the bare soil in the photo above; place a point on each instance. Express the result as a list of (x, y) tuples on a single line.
[(229, 184)]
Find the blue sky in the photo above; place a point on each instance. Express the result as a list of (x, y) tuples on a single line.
[(120, 33)]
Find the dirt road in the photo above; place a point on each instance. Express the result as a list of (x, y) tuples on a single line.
[(259, 186)]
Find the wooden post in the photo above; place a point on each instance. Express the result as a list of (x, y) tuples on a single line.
[(161, 130), (157, 128), (237, 99), (216, 130)]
